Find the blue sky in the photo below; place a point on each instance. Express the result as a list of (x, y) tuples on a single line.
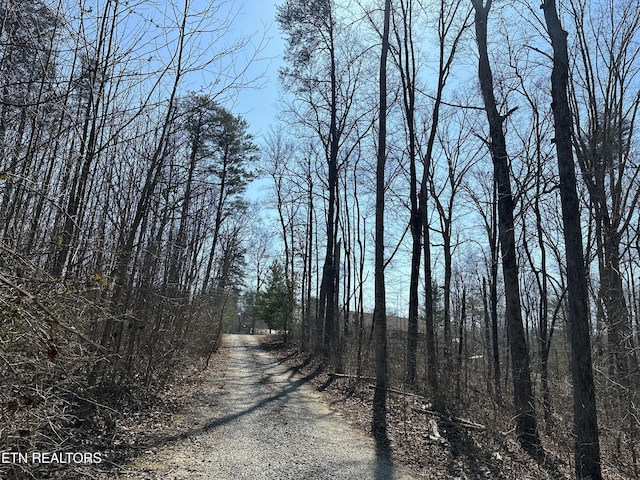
[(257, 19)]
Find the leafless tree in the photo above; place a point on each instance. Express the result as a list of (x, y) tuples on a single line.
[(526, 421), (587, 448), (379, 422)]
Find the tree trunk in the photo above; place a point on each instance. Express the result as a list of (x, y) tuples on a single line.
[(493, 295), (526, 422), (379, 422), (587, 447), (407, 67), (430, 333), (328, 299)]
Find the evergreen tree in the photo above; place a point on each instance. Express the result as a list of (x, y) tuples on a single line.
[(273, 306)]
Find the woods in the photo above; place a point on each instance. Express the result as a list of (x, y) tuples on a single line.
[(447, 203), (511, 253), (122, 211)]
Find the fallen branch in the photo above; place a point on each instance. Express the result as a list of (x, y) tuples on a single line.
[(353, 377), (463, 422)]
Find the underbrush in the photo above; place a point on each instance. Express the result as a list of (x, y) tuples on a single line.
[(471, 437), (54, 431), (66, 400)]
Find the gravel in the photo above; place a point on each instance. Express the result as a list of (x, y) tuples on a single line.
[(260, 419)]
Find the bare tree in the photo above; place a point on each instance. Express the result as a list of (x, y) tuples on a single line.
[(526, 422), (312, 31), (605, 104), (406, 58), (587, 447), (487, 208), (379, 422)]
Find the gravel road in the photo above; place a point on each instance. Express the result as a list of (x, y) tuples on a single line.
[(260, 420)]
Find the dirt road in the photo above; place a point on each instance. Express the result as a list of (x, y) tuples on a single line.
[(261, 420)]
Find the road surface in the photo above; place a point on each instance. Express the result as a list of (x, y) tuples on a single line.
[(262, 420)]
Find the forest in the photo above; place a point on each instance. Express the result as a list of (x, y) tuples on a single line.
[(446, 204)]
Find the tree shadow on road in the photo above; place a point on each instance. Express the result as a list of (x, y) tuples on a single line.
[(217, 422), (384, 469)]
